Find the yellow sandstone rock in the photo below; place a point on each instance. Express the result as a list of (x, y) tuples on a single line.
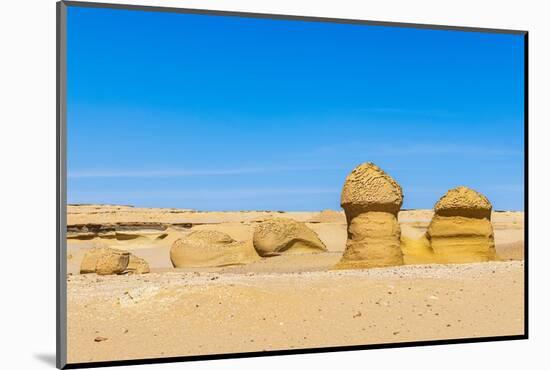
[(111, 261), (137, 265), (463, 201), (283, 235), (416, 248), (208, 248), (460, 231), (371, 200)]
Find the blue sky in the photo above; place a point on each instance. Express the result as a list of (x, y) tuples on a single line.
[(231, 113)]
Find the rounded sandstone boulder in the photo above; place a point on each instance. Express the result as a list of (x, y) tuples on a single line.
[(369, 188), (105, 261), (209, 248), (282, 235)]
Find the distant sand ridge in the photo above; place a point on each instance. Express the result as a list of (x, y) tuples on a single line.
[(371, 200)]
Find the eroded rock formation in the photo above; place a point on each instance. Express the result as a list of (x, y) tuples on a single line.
[(137, 265), (371, 200), (461, 229), (283, 235), (111, 261), (208, 248)]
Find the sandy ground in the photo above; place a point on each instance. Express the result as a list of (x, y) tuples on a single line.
[(283, 302), (189, 313)]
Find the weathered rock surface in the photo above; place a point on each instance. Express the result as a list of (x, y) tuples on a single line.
[(208, 248), (137, 265), (369, 189), (415, 245), (371, 200), (465, 202), (282, 235), (111, 261), (460, 231)]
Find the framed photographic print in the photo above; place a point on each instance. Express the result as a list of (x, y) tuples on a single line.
[(237, 184)]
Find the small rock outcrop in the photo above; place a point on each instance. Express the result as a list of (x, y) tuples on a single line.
[(461, 229), (371, 200), (283, 235), (209, 248), (111, 261), (137, 265)]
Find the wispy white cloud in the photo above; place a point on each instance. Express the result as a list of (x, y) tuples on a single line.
[(403, 111), (508, 188), (248, 193), (194, 172), (238, 193), (397, 149), (452, 149), (443, 188)]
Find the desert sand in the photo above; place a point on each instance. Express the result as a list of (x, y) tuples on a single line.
[(281, 302)]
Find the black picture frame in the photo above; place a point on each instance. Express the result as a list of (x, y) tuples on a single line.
[(61, 195)]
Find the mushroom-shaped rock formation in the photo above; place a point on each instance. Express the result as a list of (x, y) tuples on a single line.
[(208, 248), (283, 235), (461, 229), (111, 261), (371, 200)]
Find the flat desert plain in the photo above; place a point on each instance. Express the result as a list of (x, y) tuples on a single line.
[(282, 302)]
